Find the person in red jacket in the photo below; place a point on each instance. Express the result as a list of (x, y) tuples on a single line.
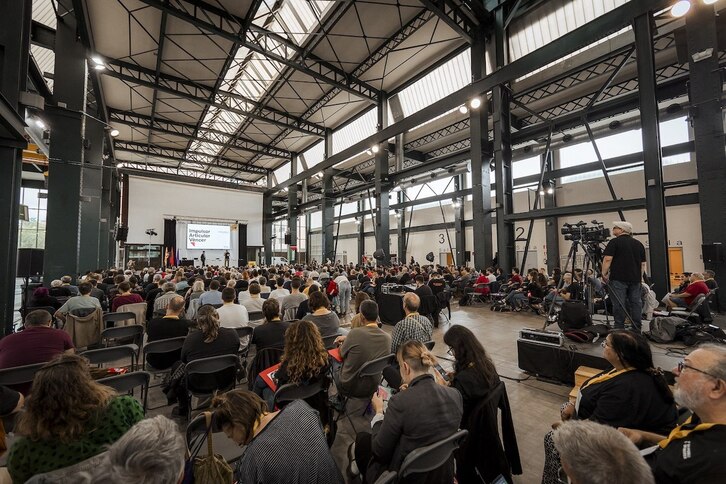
[(686, 298)]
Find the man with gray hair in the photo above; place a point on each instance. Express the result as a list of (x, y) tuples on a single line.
[(592, 453), (623, 266), (685, 298), (151, 452), (413, 326), (168, 292), (694, 452)]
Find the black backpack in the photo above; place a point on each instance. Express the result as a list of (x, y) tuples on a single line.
[(574, 315)]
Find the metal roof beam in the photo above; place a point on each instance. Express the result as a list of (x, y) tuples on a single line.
[(177, 175), (273, 46), (456, 16), (187, 131), (177, 154), (202, 94), (42, 35)]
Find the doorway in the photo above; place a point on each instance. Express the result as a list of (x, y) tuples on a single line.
[(675, 262)]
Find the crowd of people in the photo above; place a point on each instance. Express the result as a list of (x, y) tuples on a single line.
[(66, 420)]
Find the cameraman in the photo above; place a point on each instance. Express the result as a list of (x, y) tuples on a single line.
[(623, 265)]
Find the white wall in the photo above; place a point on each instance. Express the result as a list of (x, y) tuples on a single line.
[(151, 201)]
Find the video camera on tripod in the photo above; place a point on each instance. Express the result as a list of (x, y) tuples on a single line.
[(580, 231)]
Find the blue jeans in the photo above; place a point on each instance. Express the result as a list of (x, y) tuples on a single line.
[(626, 296)]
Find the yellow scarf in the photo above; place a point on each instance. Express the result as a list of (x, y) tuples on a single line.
[(604, 377), (681, 433)]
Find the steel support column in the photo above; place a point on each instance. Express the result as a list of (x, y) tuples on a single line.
[(653, 163), (67, 154), (107, 221), (292, 212), (14, 55), (706, 113), (481, 199), (401, 212), (383, 186), (502, 154), (361, 232), (552, 225), (460, 237), (328, 217), (91, 194), (267, 227)]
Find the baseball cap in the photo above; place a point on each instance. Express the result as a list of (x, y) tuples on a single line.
[(626, 227)]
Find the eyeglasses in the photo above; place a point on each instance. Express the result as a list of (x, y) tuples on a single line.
[(682, 364), (604, 343), (450, 351)]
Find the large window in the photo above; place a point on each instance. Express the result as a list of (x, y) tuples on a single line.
[(279, 229), (32, 231)]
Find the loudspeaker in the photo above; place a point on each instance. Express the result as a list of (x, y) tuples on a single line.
[(712, 253), (30, 262), (288, 239), (430, 257), (379, 254), (467, 256), (121, 233)]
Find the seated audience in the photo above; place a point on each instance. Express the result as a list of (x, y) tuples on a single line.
[(66, 282), (420, 414), (292, 434), (325, 319), (58, 290), (196, 290), (232, 315), (633, 394), (272, 332), (213, 296), (421, 288), (365, 342), (357, 319), (244, 291), (97, 292), (694, 451), (172, 325), (125, 296), (37, 343), (685, 298), (592, 453), (304, 308), (168, 292), (113, 289), (68, 418), (84, 301), (413, 326), (280, 292), (708, 278), (151, 452), (42, 298), (264, 288), (254, 302)]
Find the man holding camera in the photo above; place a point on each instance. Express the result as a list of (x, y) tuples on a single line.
[(622, 268)]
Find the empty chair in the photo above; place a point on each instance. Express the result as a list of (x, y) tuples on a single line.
[(19, 375), (128, 382), (207, 375), (162, 349), (113, 354), (124, 334), (118, 317), (430, 457)]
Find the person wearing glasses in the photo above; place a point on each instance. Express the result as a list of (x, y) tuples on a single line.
[(634, 394), (694, 452)]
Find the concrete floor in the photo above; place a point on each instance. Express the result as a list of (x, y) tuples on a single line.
[(535, 404)]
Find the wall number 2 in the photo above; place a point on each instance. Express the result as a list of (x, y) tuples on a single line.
[(519, 234)]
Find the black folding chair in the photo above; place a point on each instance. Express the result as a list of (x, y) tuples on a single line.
[(430, 457), (207, 375), (256, 316), (116, 317), (132, 335), (19, 375), (373, 368), (127, 382), (197, 435), (297, 391), (329, 341), (112, 354)]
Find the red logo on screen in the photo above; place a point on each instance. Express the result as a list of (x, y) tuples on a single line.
[(193, 244)]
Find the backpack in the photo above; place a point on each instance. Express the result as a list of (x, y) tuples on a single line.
[(332, 288), (663, 329), (702, 333), (573, 315)]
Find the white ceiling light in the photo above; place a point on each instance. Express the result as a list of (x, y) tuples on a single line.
[(541, 191), (710, 2), (463, 110), (97, 60), (550, 191), (115, 132), (375, 148), (680, 8), (369, 152), (39, 123), (475, 103)]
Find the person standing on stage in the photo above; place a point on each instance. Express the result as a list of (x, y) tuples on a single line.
[(203, 259), (622, 268), (226, 258)]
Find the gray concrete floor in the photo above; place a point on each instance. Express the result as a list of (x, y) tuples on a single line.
[(535, 404)]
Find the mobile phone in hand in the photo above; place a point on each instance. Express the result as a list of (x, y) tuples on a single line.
[(442, 372)]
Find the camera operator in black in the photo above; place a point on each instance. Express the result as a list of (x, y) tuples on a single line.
[(623, 267)]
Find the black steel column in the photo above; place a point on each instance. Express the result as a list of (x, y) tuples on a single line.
[(653, 163), (115, 217), (14, 54), (705, 92), (552, 226), (401, 230), (481, 199), (91, 193), (460, 237), (328, 216), (502, 154), (383, 187), (267, 226), (67, 130), (292, 211), (361, 232), (105, 238)]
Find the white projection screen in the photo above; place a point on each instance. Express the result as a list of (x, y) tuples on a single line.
[(203, 237)]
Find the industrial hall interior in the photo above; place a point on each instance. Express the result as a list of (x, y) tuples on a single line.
[(362, 241)]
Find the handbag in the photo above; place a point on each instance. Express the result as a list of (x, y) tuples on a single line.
[(210, 469)]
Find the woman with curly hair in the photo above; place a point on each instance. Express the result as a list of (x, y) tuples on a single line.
[(305, 359), (68, 418)]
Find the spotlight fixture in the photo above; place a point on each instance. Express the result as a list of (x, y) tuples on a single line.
[(475, 103), (541, 191), (39, 123), (115, 132), (456, 203), (398, 214), (357, 221), (369, 152), (463, 109), (550, 190), (99, 67), (375, 148), (97, 60), (680, 8)]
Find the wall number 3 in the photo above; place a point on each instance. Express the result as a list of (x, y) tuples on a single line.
[(441, 239)]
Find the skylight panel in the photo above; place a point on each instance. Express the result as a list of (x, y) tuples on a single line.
[(359, 129)]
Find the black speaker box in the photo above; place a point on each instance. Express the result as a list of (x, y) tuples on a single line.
[(122, 233), (30, 262), (712, 253), (288, 239)]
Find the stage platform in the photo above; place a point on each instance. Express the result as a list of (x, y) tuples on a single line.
[(560, 362)]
